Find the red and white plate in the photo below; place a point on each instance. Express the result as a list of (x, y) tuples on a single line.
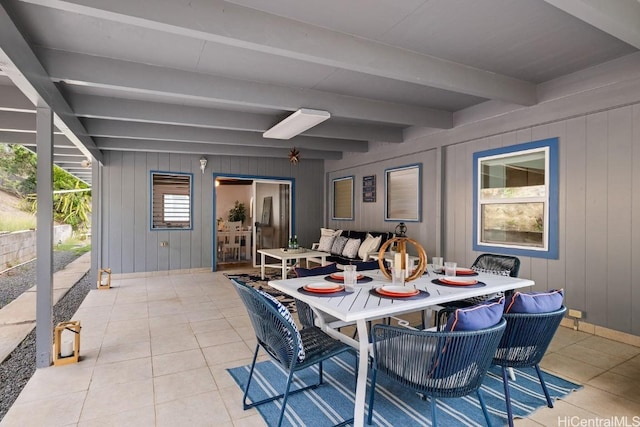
[(464, 271), (397, 291), (458, 281), (323, 288)]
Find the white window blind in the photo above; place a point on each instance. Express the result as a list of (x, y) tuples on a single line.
[(171, 200), (343, 198)]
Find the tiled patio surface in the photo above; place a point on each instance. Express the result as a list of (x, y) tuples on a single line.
[(154, 351)]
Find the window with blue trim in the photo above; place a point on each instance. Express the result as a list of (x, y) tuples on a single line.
[(170, 200), (516, 199)]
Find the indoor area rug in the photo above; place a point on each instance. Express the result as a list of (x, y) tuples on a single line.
[(394, 405), (255, 281)]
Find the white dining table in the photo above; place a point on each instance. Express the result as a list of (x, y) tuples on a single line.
[(360, 305)]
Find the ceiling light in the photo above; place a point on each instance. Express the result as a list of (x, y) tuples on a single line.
[(296, 123)]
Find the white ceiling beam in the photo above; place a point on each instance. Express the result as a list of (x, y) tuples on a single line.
[(154, 112), (107, 144), (232, 25), (149, 131), (619, 18), (74, 68), (26, 72)]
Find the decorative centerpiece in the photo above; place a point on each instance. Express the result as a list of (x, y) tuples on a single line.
[(401, 257)]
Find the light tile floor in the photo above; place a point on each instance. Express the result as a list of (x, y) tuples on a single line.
[(154, 351)]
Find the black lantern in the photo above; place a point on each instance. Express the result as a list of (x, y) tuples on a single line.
[(401, 230)]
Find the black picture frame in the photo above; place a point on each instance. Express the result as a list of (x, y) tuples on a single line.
[(369, 189)]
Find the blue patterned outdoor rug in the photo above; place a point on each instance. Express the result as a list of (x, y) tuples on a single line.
[(332, 402)]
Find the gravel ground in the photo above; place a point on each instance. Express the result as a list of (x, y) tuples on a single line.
[(14, 282), (20, 365)]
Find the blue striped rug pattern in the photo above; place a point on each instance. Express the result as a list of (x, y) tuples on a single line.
[(332, 402)]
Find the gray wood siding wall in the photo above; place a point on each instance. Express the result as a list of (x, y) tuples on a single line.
[(129, 245), (370, 216), (599, 202)]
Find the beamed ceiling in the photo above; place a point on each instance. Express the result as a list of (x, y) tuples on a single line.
[(208, 77)]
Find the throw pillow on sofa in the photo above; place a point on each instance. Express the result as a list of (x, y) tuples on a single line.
[(326, 242), (330, 232), (338, 245), (370, 244), (351, 248)]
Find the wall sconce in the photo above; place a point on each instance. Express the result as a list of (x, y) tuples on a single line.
[(203, 163)]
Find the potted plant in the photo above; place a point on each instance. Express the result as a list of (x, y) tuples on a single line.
[(237, 212)]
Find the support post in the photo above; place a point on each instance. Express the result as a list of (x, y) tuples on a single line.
[(44, 237)]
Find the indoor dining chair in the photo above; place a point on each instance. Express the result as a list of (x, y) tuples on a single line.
[(436, 364), (292, 349)]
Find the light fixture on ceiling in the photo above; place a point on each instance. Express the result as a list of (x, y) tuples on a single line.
[(296, 123), (203, 163)]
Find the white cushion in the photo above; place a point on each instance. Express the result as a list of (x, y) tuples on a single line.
[(351, 248), (370, 244), (326, 242), (329, 232)]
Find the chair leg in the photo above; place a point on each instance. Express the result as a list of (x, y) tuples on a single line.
[(544, 387), (245, 405), (320, 373), (507, 397), (434, 411), (484, 407), (286, 396), (371, 396)]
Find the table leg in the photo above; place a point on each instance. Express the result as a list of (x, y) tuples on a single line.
[(262, 265), (323, 259), (363, 367), (284, 268)]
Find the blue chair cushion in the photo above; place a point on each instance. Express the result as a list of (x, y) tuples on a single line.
[(476, 317), (534, 302), (317, 271), (287, 316)]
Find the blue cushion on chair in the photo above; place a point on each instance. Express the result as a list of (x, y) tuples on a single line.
[(317, 271), (534, 302), (476, 317), (287, 316)]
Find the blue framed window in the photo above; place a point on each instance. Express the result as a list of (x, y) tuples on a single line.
[(516, 199), (171, 200), (342, 189), (403, 193)]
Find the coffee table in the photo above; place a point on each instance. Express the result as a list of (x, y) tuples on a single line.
[(285, 256)]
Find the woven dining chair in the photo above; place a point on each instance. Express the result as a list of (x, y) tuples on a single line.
[(435, 364), (306, 316), (504, 265), (523, 344), (292, 349)]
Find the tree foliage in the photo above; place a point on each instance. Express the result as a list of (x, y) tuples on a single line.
[(20, 166)]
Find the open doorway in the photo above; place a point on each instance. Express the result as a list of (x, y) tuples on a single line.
[(251, 213)]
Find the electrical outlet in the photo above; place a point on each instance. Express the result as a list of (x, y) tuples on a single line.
[(575, 313), (164, 244)]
